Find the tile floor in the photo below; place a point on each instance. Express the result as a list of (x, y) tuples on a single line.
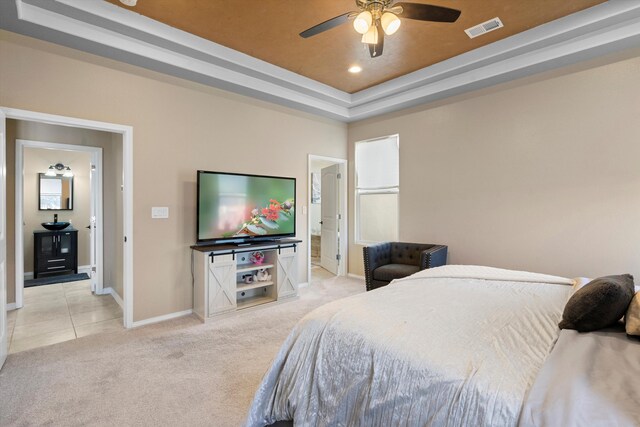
[(61, 312)]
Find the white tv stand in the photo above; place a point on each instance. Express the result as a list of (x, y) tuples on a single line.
[(219, 287)]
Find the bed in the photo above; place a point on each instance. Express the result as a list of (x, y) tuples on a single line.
[(450, 346)]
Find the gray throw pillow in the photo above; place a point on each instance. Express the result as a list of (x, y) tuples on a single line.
[(599, 304)]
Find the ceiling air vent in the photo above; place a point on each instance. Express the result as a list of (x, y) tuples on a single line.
[(485, 27)]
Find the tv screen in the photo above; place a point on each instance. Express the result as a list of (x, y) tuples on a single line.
[(238, 207)]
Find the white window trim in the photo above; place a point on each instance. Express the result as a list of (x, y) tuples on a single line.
[(381, 190)]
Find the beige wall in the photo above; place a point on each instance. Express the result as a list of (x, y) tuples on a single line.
[(542, 175), (111, 146), (179, 127), (37, 160)]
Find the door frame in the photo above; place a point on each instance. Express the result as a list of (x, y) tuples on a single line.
[(342, 195), (95, 197), (4, 332), (127, 170)]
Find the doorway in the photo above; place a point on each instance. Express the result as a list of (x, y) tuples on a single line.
[(36, 202), (327, 227), (59, 292), (122, 134)]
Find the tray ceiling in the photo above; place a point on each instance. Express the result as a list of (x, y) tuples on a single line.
[(268, 30), (109, 30)]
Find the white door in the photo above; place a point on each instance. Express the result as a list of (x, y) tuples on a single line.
[(95, 285), (3, 241), (329, 208)]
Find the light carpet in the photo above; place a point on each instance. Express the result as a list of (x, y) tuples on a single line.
[(179, 372)]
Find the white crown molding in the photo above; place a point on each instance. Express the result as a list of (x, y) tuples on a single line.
[(102, 28)]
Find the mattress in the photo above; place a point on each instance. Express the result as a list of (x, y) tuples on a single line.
[(450, 346)]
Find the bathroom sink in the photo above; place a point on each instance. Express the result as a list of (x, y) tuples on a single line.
[(54, 226)]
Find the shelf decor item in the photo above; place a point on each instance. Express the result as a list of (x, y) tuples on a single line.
[(263, 275), (257, 257)]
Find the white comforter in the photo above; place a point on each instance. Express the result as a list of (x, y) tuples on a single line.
[(451, 346), (588, 380)]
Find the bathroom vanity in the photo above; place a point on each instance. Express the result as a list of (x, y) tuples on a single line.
[(55, 252)]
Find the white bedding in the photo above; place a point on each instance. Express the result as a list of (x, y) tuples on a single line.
[(450, 346), (589, 379)]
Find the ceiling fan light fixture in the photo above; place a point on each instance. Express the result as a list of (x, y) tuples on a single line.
[(355, 69), (363, 21), (130, 3), (375, 18), (390, 23), (371, 36)]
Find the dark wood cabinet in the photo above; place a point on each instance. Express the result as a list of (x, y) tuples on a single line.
[(55, 252)]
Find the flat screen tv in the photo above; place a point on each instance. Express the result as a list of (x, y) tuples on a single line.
[(240, 208)]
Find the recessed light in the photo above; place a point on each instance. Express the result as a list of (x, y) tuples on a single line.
[(355, 69)]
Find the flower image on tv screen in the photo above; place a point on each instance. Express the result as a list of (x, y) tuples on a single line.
[(235, 206)]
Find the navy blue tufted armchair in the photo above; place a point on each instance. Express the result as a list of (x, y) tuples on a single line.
[(384, 262)]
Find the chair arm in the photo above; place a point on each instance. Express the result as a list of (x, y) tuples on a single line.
[(433, 257), (374, 257)]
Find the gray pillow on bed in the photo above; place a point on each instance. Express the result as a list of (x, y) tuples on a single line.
[(599, 304)]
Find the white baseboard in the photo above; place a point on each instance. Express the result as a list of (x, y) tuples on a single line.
[(11, 306), (303, 285), (161, 318), (115, 296), (355, 276)]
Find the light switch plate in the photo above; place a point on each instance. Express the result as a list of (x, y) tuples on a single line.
[(160, 212)]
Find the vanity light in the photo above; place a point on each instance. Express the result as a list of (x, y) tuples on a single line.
[(59, 169)]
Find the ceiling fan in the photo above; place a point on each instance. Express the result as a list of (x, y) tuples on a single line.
[(379, 17)]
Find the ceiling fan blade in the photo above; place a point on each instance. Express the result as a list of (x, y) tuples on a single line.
[(375, 50), (427, 12), (326, 25)]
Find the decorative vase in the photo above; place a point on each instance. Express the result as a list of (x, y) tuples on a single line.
[(257, 257)]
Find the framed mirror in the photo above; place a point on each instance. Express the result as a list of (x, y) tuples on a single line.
[(55, 193)]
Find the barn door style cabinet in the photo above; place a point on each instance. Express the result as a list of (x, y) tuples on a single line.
[(227, 279)]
